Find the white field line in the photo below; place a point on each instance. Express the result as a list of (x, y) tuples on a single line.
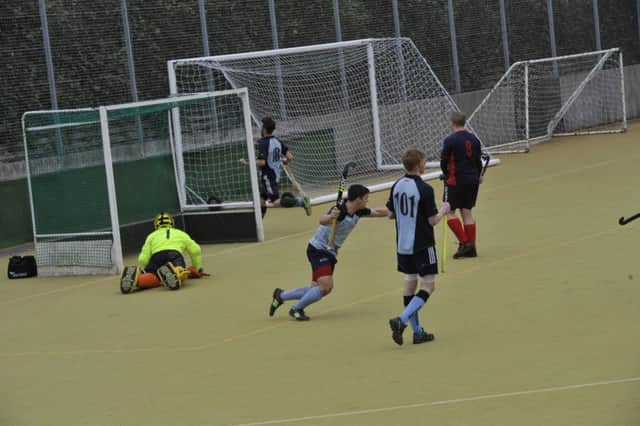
[(445, 402)]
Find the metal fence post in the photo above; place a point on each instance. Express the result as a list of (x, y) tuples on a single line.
[(399, 52), (274, 39), (132, 69), (50, 72), (596, 24), (343, 74), (505, 35), (454, 47), (552, 35), (207, 52)]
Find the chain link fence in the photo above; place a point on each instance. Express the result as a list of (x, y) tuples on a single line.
[(70, 53)]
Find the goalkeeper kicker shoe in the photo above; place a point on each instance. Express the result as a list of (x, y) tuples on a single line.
[(169, 276), (298, 315), (276, 302), (422, 337), (397, 328), (129, 279), (307, 205)]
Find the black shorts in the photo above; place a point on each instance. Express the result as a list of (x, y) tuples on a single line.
[(462, 196), (162, 258), (322, 262), (424, 262), (269, 188)]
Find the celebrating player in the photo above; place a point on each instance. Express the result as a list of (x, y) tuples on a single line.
[(162, 258), (322, 255), (461, 163), (269, 161), (412, 204)]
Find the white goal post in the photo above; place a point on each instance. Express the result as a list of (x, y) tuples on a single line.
[(98, 176), (557, 96), (362, 100)]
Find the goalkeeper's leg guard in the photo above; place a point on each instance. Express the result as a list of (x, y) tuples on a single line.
[(148, 280), (170, 276), (129, 279)]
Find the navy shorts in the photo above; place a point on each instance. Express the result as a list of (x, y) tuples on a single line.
[(322, 262), (162, 258), (424, 262), (462, 196), (269, 188)]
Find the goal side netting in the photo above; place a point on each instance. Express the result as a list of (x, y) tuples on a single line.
[(538, 99)]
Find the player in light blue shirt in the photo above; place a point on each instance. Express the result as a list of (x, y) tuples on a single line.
[(322, 255), (412, 204)]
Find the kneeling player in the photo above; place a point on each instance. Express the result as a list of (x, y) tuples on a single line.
[(322, 257), (162, 260)]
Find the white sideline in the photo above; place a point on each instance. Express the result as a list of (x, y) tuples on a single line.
[(444, 402)]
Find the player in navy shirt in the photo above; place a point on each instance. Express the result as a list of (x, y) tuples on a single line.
[(412, 204), (322, 256), (461, 163), (271, 151)]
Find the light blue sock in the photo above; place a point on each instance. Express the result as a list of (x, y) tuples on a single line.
[(412, 308), (311, 296), (299, 202), (413, 319), (294, 294), (415, 323)]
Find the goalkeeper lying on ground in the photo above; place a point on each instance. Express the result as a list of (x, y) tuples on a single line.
[(161, 257)]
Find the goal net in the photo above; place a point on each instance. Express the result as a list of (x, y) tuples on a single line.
[(98, 176), (567, 95), (363, 101)]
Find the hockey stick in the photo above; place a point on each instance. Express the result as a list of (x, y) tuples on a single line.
[(293, 180), (486, 157), (341, 188), (445, 198), (623, 221)]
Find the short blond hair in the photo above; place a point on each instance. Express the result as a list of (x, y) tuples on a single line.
[(458, 118), (411, 158)]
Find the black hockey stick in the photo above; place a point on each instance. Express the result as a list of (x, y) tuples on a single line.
[(486, 158), (341, 188), (623, 221)]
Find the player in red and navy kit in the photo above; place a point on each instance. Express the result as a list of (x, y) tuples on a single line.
[(461, 163)]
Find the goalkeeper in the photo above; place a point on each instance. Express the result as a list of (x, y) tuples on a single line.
[(271, 151), (161, 256)]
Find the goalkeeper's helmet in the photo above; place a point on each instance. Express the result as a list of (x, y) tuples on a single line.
[(163, 220)]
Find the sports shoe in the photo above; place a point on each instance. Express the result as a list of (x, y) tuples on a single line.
[(471, 251), (397, 327), (129, 279), (422, 337), (169, 276), (307, 205), (276, 302), (298, 315), (460, 252)]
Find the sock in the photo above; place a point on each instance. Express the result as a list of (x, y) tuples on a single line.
[(414, 306), (456, 227), (311, 296), (148, 280), (413, 319), (470, 230), (299, 202), (294, 294)]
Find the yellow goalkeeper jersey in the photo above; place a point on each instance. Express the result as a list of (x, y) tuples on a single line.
[(170, 239)]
